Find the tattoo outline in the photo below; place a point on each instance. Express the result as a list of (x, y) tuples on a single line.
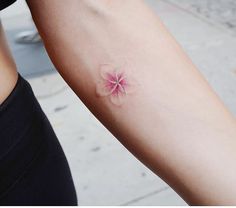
[(115, 83)]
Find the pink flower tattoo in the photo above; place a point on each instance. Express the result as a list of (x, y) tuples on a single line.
[(114, 83)]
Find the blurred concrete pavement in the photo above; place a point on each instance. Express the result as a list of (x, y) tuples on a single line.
[(105, 173)]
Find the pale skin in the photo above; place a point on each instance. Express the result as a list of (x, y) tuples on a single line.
[(171, 120), (8, 71)]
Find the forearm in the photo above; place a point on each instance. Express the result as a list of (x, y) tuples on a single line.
[(173, 121)]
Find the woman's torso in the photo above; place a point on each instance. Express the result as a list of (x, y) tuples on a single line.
[(8, 74)]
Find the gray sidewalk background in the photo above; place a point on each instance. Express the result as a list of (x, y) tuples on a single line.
[(104, 172)]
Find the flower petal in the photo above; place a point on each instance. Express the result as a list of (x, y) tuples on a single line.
[(101, 89), (117, 99), (107, 71), (131, 85)]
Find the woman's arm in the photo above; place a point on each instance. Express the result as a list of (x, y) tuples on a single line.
[(129, 71)]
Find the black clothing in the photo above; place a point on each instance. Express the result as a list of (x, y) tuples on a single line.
[(33, 167), (5, 3)]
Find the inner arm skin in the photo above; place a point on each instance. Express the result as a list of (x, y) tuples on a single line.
[(174, 122)]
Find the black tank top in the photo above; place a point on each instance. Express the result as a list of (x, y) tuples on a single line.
[(5, 3)]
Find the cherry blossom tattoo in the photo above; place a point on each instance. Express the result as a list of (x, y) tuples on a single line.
[(114, 83)]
